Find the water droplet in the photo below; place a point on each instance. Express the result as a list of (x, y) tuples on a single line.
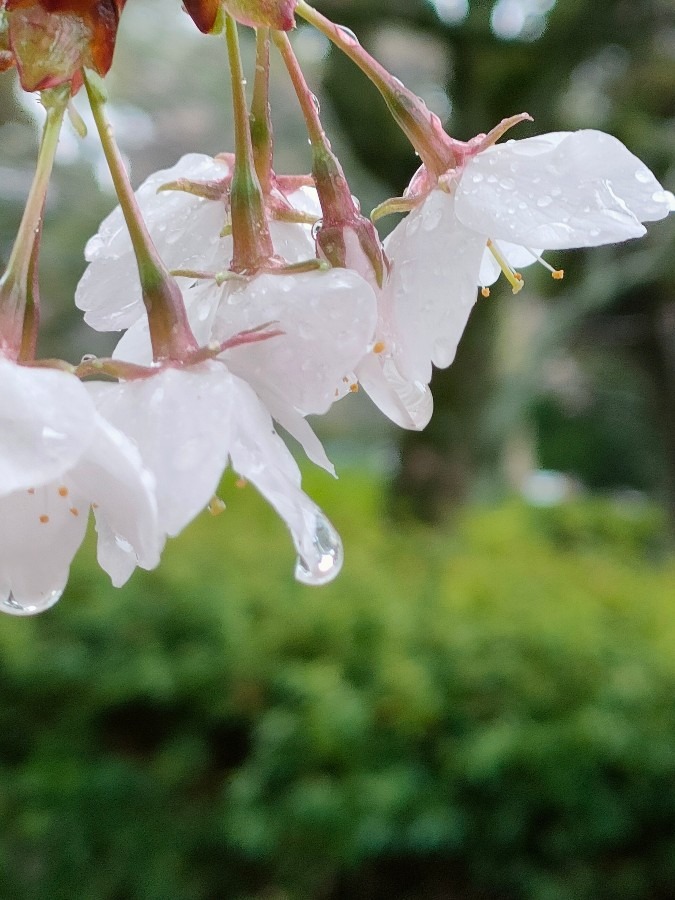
[(13, 607), (125, 546), (556, 192), (349, 34), (50, 434), (644, 176), (432, 219), (594, 232), (477, 178), (544, 201), (507, 184), (323, 561), (87, 357), (316, 228), (315, 101)]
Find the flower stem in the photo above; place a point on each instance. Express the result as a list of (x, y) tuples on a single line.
[(262, 136), (337, 204), (422, 127), (252, 244), (170, 332), (19, 301)]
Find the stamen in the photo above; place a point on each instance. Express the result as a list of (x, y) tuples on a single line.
[(558, 274), (485, 291), (354, 388), (515, 279)]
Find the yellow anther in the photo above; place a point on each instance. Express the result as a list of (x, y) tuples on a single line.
[(485, 291), (379, 347), (558, 274), (353, 388)]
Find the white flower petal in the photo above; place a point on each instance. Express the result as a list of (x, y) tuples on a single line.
[(432, 285), (578, 189), (298, 428), (294, 242), (181, 421), (46, 422), (328, 320), (259, 455), (121, 491), (185, 229), (40, 532), (409, 404)]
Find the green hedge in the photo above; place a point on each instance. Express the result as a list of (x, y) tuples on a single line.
[(483, 713)]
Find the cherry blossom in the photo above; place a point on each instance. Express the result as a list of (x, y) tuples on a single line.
[(556, 191), (186, 229), (187, 423), (58, 457)]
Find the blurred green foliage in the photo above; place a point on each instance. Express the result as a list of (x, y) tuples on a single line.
[(482, 713)]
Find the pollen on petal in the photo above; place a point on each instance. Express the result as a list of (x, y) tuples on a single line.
[(44, 519), (31, 490), (353, 388), (63, 491), (74, 511), (379, 347), (241, 483)]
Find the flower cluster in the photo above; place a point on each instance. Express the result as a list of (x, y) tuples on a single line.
[(249, 299)]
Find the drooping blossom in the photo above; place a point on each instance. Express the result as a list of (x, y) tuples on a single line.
[(187, 424), (186, 230), (58, 458), (553, 192)]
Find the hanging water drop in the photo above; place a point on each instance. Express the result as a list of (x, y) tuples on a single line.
[(322, 561), (9, 604)]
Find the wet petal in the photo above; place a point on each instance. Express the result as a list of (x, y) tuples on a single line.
[(559, 191), (46, 422), (328, 320), (181, 421), (111, 474), (409, 404), (185, 229), (432, 285), (40, 532), (259, 455)]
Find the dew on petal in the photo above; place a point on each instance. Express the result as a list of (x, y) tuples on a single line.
[(544, 201), (13, 607), (324, 560)]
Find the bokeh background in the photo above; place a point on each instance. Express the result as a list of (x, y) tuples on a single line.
[(483, 704)]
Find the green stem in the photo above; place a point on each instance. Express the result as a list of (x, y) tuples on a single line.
[(18, 283), (262, 136), (422, 127), (170, 332), (252, 244)]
